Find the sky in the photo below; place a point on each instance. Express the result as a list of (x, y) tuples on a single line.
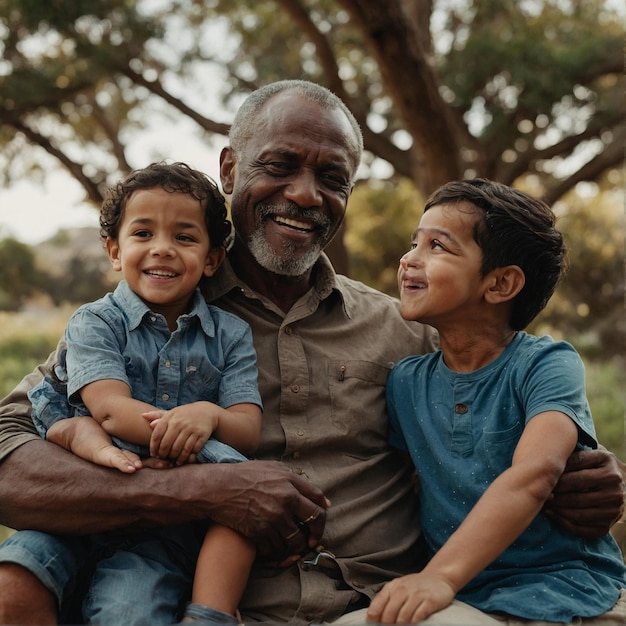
[(33, 211)]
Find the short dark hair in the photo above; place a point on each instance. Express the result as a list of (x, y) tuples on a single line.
[(175, 177), (513, 229)]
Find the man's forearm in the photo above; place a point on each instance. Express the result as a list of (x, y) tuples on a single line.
[(59, 492)]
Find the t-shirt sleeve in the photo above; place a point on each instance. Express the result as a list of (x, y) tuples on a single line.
[(555, 381)]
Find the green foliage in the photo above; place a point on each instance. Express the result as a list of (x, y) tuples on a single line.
[(606, 383), (588, 306), (82, 281), (381, 218), (20, 355), (18, 278)]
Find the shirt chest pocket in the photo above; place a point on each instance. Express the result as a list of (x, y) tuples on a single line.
[(357, 393)]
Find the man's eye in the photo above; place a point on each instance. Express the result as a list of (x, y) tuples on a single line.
[(278, 168), (335, 180), (437, 244)]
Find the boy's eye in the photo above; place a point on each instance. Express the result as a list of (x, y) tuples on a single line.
[(141, 233), (435, 243), (184, 237)]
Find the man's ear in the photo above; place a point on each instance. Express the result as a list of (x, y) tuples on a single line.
[(113, 250), (227, 169), (214, 259), (504, 284)]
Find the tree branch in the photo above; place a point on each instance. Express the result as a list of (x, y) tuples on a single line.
[(75, 169), (155, 87), (611, 156), (411, 82)]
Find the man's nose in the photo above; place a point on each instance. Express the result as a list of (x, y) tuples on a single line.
[(303, 190)]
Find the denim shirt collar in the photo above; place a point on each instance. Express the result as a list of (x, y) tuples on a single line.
[(136, 309)]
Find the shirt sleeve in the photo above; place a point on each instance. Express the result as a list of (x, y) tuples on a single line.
[(555, 381), (94, 350), (239, 381)]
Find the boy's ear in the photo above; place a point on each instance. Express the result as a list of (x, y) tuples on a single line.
[(214, 259), (504, 284), (113, 250)]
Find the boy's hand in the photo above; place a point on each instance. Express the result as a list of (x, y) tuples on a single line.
[(410, 599), (178, 434)]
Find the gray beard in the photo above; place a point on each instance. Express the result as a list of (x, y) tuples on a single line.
[(283, 266)]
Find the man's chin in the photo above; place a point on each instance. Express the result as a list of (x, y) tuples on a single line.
[(289, 261)]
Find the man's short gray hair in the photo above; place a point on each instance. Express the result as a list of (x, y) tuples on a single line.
[(244, 124)]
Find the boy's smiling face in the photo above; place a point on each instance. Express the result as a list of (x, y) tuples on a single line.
[(440, 278), (163, 249)]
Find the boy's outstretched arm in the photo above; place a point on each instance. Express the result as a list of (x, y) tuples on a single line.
[(500, 516)]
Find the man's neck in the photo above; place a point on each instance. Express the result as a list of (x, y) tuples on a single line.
[(283, 291)]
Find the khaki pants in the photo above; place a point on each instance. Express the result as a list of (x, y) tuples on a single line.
[(461, 614)]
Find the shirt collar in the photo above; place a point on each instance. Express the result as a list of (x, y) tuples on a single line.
[(327, 282), (136, 309)]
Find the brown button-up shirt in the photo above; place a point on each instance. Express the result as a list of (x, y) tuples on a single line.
[(322, 373)]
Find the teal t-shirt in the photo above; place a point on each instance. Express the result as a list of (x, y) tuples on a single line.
[(461, 431)]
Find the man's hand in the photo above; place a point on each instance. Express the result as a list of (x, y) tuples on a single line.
[(284, 514), (589, 497)]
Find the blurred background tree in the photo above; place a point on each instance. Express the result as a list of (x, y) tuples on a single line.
[(527, 92)]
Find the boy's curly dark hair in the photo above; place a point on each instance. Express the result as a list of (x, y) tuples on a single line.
[(175, 177)]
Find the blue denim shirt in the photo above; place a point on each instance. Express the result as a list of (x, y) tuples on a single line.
[(210, 356)]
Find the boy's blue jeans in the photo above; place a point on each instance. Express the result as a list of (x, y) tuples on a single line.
[(138, 579), (132, 578)]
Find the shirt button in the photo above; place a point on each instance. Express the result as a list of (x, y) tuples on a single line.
[(460, 408), (168, 363), (152, 318), (300, 433), (356, 584), (165, 396), (288, 330), (296, 455), (295, 388)]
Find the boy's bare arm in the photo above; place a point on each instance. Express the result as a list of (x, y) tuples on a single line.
[(499, 517), (111, 404)]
